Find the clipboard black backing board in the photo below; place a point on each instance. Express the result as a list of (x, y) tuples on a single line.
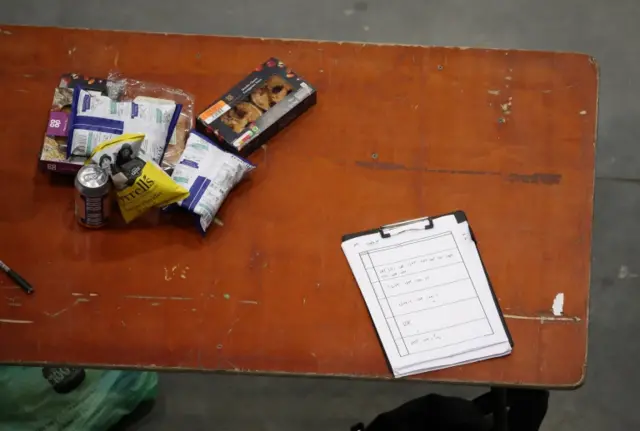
[(461, 217)]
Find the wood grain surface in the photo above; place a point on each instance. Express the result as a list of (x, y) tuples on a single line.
[(399, 132)]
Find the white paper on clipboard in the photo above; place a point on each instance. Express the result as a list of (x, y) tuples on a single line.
[(428, 294)]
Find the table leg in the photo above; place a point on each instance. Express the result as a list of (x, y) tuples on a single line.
[(499, 404)]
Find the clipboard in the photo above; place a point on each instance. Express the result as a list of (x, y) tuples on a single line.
[(426, 223)]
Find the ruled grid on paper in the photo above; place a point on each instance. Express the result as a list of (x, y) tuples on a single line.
[(428, 296)]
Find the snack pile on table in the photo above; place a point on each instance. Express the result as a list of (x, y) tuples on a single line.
[(133, 141)]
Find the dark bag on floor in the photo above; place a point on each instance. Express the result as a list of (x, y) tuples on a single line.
[(431, 413), (526, 411)]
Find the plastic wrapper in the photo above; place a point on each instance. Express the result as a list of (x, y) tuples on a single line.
[(70, 399), (96, 119), (140, 184), (150, 187), (116, 151), (209, 174), (53, 156), (123, 88)]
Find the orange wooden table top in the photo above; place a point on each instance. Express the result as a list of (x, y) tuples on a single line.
[(399, 132)]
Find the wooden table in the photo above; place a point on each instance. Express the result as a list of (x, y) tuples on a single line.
[(399, 132)]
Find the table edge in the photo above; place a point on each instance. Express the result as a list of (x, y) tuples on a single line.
[(284, 39), (286, 374)]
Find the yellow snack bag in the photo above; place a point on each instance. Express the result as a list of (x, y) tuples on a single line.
[(140, 184), (151, 187), (116, 150)]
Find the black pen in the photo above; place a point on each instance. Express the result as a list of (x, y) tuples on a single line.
[(24, 285)]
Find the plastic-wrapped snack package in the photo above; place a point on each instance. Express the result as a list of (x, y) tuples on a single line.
[(147, 186), (123, 88), (116, 151), (96, 118), (70, 399), (140, 184), (209, 174)]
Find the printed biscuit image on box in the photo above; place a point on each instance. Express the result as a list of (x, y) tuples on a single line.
[(53, 156), (256, 108)]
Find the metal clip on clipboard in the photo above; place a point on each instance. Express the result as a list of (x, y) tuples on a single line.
[(423, 223)]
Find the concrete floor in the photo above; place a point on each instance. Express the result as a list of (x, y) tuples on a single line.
[(605, 30)]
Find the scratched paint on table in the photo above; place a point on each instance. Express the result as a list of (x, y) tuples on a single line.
[(64, 310), (170, 272), (536, 178)]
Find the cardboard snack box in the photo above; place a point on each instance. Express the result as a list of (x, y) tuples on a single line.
[(53, 156), (256, 108)]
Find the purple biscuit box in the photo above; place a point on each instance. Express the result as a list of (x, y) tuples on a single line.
[(53, 156)]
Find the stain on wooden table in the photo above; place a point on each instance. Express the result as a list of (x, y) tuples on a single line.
[(399, 132)]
